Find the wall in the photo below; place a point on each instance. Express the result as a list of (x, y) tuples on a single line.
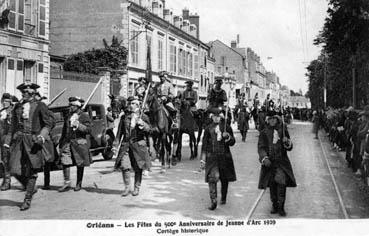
[(77, 26)]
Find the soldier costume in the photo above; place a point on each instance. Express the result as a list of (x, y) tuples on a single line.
[(29, 140), (217, 96), (5, 118), (165, 91), (133, 153), (189, 96), (74, 145), (217, 158), (276, 170), (243, 121)]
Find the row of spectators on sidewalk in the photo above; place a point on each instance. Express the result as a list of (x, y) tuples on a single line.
[(348, 130)]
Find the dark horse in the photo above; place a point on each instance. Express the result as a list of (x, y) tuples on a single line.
[(162, 131), (117, 104), (187, 125)]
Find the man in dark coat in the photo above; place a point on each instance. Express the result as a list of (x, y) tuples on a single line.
[(133, 152), (74, 147), (276, 170), (216, 156), (217, 96), (29, 140), (5, 119), (243, 120), (261, 118)]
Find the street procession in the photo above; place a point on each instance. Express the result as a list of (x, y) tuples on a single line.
[(122, 110)]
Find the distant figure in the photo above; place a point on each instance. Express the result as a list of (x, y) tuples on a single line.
[(316, 123), (243, 120)]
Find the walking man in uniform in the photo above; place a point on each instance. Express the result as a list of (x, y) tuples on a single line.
[(276, 170), (74, 148), (29, 140), (133, 153), (216, 156)]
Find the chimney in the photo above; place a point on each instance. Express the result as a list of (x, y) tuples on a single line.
[(195, 19), (185, 14), (178, 21), (233, 44), (186, 26), (168, 16), (193, 30)]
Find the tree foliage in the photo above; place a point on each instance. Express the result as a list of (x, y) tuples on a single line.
[(345, 41), (113, 56)]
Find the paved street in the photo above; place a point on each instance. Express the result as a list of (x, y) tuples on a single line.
[(181, 192)]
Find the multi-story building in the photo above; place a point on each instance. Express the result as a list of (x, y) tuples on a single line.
[(257, 76), (231, 65), (173, 39), (24, 44)]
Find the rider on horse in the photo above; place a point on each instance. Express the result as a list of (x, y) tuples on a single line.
[(189, 97), (165, 91), (217, 96)]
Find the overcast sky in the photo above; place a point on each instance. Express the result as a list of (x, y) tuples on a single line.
[(272, 28)]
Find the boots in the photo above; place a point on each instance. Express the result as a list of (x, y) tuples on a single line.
[(138, 180), (224, 190), (127, 182), (30, 190), (213, 195), (46, 177), (79, 178), (67, 183), (281, 199), (6, 183), (274, 198)]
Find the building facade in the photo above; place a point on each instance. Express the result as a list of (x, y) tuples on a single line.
[(24, 45), (230, 65), (140, 25)]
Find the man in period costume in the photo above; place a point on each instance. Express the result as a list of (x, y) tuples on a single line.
[(189, 96), (262, 118), (165, 91), (217, 96), (216, 156), (243, 120), (29, 140), (276, 170), (133, 153), (74, 147), (5, 119)]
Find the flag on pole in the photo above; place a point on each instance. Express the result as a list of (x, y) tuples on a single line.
[(148, 61)]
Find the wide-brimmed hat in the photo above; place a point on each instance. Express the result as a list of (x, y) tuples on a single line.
[(189, 82), (133, 99), (76, 101), (141, 79), (216, 110), (28, 87), (218, 79)]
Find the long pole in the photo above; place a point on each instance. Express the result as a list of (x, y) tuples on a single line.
[(353, 83), (325, 81)]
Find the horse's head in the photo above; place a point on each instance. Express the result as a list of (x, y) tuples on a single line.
[(118, 104)]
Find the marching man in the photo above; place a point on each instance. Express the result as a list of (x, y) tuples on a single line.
[(133, 153), (276, 170), (74, 148), (216, 156), (29, 140)]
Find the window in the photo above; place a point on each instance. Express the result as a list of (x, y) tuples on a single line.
[(41, 68), (196, 65), (10, 64), (16, 15), (160, 54), (134, 47), (173, 58), (190, 64), (42, 19), (184, 62)]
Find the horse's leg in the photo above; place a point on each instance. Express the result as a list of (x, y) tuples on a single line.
[(191, 145), (162, 151), (168, 144), (193, 140), (179, 146), (199, 136)]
